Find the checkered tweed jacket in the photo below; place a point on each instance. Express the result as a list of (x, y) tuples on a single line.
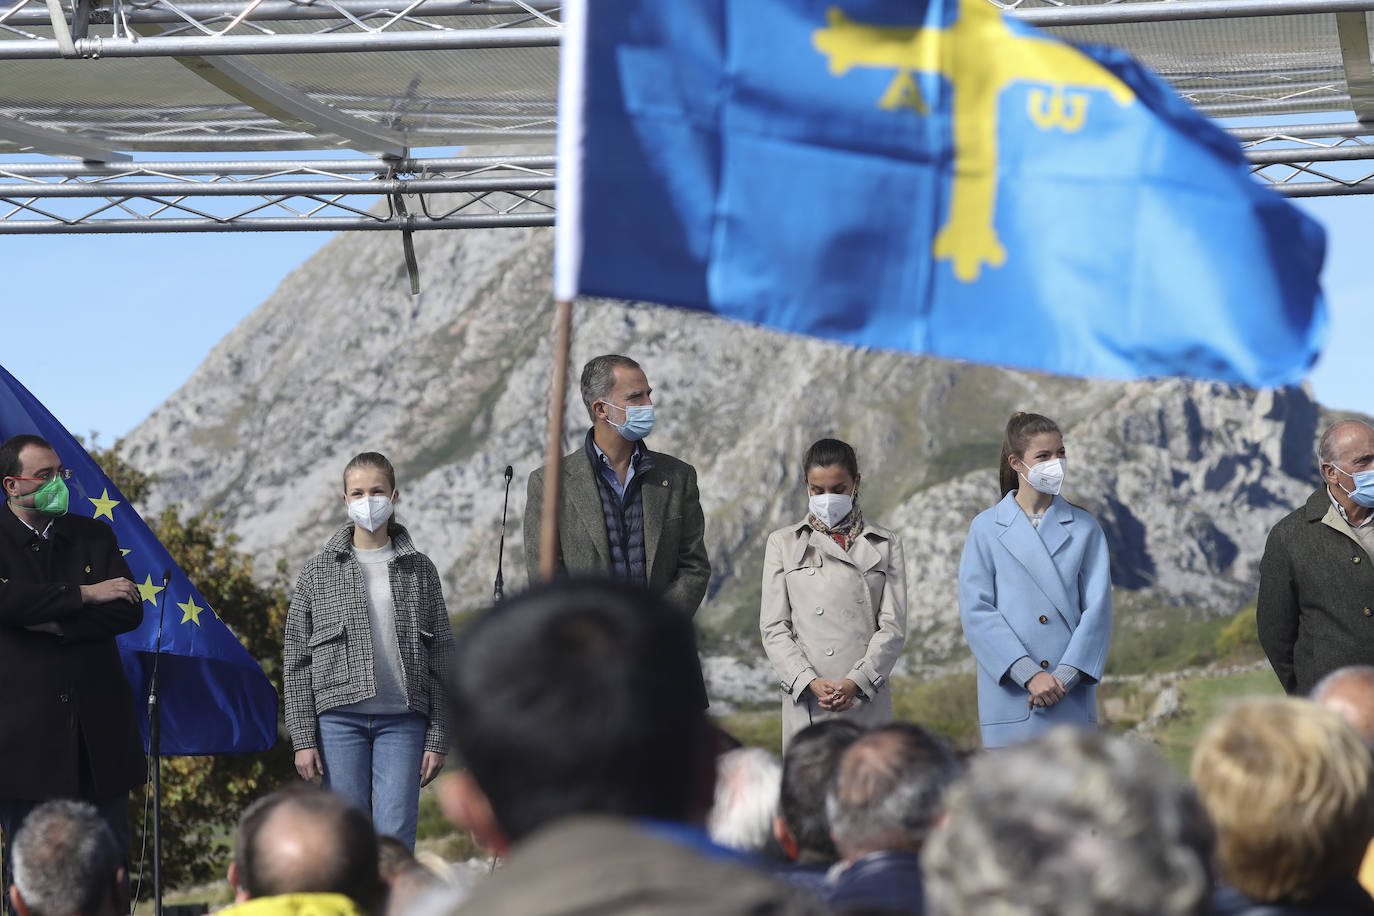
[(328, 646)]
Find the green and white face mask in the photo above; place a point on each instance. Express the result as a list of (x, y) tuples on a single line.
[(49, 499)]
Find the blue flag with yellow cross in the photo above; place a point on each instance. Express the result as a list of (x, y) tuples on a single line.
[(923, 176), (214, 698)]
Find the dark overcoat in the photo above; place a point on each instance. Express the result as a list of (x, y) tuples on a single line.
[(61, 691), (1316, 598)]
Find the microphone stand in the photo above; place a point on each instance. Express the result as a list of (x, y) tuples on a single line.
[(155, 749), (499, 591)]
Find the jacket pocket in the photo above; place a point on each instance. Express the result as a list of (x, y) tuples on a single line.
[(328, 657)]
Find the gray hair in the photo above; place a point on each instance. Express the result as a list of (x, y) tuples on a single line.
[(65, 859), (747, 783), (1073, 824), (598, 378), (1326, 445), (889, 789), (1350, 692)]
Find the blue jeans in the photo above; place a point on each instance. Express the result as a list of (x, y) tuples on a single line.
[(374, 762)]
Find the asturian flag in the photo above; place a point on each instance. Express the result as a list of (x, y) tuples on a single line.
[(213, 697), (922, 175)]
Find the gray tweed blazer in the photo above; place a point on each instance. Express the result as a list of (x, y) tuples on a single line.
[(328, 646), (1316, 598)]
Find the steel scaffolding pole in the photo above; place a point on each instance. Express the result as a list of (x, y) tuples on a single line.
[(205, 46)]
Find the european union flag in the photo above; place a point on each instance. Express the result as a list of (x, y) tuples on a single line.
[(214, 698), (923, 176)]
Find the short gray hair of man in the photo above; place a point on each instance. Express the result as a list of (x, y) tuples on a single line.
[(889, 790), (1326, 445), (598, 378), (65, 859), (1076, 823), (748, 782)]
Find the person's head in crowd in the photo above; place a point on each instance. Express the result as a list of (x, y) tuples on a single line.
[(1290, 788), (746, 800), (306, 840), (583, 696), (1073, 823), (889, 790), (405, 878), (67, 863), (1349, 692), (802, 828)]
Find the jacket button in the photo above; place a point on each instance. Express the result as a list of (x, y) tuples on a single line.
[(35, 547), (88, 570), (810, 570), (64, 697), (1044, 619), (829, 651), (1367, 612), (820, 610), (1044, 664)]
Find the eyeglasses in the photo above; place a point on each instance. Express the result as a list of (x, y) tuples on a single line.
[(63, 473)]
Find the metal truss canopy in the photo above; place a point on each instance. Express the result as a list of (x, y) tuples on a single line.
[(98, 80)]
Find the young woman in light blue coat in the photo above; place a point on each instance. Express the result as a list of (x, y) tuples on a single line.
[(1035, 594)]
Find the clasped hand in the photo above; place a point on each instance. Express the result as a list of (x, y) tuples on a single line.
[(834, 696), (1045, 690)]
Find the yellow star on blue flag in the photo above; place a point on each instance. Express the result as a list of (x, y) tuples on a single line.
[(104, 505), (148, 591), (190, 610)]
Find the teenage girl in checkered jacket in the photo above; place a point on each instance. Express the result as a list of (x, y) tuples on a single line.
[(367, 644)]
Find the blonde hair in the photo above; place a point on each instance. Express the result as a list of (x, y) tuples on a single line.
[(1288, 786)]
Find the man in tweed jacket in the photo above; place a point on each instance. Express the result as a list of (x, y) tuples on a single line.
[(1316, 596), (627, 512)]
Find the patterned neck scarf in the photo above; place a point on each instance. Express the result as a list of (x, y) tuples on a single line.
[(849, 528)]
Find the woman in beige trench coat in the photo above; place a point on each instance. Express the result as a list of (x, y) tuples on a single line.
[(833, 610)]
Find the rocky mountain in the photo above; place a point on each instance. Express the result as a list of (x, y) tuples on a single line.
[(1186, 477)]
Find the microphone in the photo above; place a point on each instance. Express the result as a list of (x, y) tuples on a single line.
[(499, 591), (166, 577)]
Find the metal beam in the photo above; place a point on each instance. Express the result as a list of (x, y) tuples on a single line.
[(1304, 131), (1352, 30), (277, 167), (291, 107), (298, 224), (55, 143), (326, 187), (1180, 10), (201, 46), (288, 10)]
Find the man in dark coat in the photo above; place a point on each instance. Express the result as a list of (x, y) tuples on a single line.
[(67, 727), (1316, 592)]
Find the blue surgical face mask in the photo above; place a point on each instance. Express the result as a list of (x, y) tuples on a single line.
[(1364, 486), (639, 420)]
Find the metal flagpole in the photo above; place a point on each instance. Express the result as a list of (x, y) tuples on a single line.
[(553, 445)]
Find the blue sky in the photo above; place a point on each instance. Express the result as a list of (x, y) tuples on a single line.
[(102, 329)]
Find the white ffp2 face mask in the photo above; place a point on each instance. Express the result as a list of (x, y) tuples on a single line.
[(1047, 476), (370, 512), (831, 508)]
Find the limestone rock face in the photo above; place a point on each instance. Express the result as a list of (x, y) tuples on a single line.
[(1186, 477)]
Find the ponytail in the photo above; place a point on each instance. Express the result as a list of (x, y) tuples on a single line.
[(1021, 429)]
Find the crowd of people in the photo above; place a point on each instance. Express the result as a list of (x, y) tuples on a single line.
[(577, 711), (601, 786)]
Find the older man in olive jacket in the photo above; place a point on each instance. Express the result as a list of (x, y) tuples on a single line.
[(1316, 596), (627, 513)]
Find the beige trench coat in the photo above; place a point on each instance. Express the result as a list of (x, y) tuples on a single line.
[(828, 613)]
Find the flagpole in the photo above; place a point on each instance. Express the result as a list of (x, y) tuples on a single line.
[(553, 443)]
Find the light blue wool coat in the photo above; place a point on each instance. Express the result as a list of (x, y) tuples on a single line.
[(1046, 594)]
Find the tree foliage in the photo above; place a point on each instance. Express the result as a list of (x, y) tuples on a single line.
[(203, 796)]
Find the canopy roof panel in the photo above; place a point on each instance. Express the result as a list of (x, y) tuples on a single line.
[(98, 81)]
